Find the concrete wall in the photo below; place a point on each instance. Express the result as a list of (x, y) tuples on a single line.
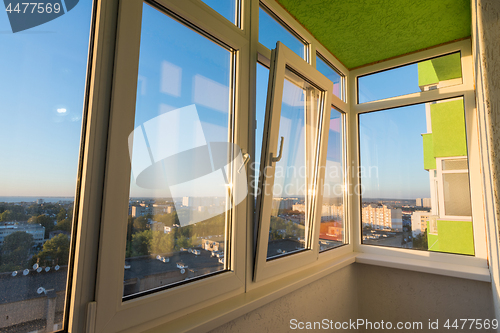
[(333, 297), (372, 293)]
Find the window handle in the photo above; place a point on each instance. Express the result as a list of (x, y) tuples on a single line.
[(246, 158), (278, 158)]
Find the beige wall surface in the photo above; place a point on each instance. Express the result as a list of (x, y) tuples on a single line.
[(397, 295), (372, 293), (332, 297)]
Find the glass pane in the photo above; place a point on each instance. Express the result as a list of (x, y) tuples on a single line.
[(272, 31), (294, 173), (331, 232), (42, 89), (227, 8), (260, 114), (460, 164), (177, 212), (422, 76), (400, 187), (327, 70), (457, 194)]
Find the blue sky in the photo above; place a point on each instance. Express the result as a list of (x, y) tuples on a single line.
[(267, 24), (391, 153), (169, 80), (43, 70), (226, 8), (395, 82), (390, 141)]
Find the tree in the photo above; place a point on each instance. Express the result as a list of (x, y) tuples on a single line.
[(62, 214), (140, 224), (7, 216), (167, 219), (16, 248), (63, 225), (55, 250), (45, 221), (183, 241), (162, 243), (141, 242), (420, 242)]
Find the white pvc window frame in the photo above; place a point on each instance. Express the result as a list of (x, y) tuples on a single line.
[(457, 265), (112, 314), (346, 229), (281, 59), (342, 96), (261, 54)]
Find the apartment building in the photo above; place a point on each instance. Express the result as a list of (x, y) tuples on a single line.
[(383, 217), (36, 230)]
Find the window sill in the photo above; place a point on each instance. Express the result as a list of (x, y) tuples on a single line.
[(426, 266)]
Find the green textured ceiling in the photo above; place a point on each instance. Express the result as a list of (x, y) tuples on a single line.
[(360, 32)]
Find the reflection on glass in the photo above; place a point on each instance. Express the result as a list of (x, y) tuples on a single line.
[(179, 153), (43, 72), (422, 76), (272, 31), (294, 173), (227, 8), (327, 70), (260, 114), (414, 178), (331, 232)]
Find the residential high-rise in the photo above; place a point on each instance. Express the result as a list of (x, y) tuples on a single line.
[(445, 157), (382, 217)]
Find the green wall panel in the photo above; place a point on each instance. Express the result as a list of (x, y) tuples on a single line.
[(456, 237), (452, 237), (429, 159), (432, 240), (448, 129), (439, 69), (426, 73), (359, 32)]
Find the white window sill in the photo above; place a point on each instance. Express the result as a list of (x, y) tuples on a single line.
[(427, 266)]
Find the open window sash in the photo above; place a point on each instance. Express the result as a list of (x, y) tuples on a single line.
[(294, 149)]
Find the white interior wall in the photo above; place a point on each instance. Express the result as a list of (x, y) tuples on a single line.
[(333, 297)]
